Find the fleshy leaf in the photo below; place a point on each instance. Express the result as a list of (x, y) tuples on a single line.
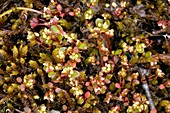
[(33, 64), (80, 100), (99, 22), (15, 52), (56, 29), (82, 46), (24, 51), (64, 23), (75, 74)]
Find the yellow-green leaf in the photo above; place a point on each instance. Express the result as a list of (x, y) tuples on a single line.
[(22, 61), (15, 72), (24, 51), (10, 89), (3, 52), (86, 105), (32, 43), (33, 64), (40, 72), (8, 69), (45, 57), (1, 71), (164, 103), (15, 51), (64, 23)]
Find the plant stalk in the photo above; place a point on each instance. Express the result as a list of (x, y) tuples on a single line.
[(19, 8)]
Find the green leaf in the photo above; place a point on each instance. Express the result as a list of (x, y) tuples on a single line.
[(148, 54), (140, 48), (62, 48), (106, 24), (120, 26), (112, 86), (56, 29), (134, 59), (50, 74), (75, 74), (118, 52), (99, 22), (89, 14), (55, 52), (80, 100), (59, 37), (82, 46), (86, 105), (103, 89), (95, 51), (109, 76)]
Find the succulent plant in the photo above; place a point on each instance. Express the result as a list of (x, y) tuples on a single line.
[(84, 56)]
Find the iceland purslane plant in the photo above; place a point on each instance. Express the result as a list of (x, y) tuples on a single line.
[(85, 56)]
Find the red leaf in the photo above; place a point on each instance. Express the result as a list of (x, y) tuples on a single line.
[(33, 25), (35, 20), (117, 85), (27, 109), (59, 7), (62, 15), (78, 60), (71, 13), (64, 107), (153, 110), (105, 58), (87, 94), (19, 79), (75, 49), (87, 83), (161, 86), (22, 87), (117, 107), (64, 75)]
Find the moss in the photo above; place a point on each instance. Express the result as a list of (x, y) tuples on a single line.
[(84, 56)]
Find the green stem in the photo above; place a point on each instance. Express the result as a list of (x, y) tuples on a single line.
[(19, 8)]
